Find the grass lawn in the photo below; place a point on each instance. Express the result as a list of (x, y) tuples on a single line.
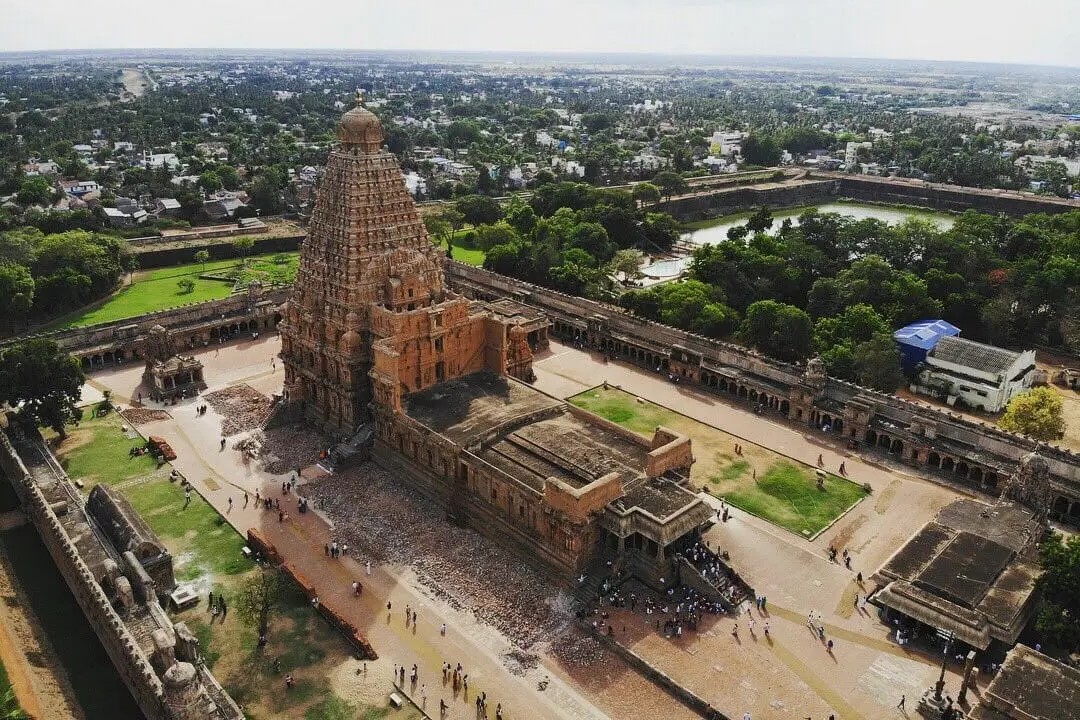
[(157, 290), (96, 451), (467, 256), (207, 556), (759, 481)]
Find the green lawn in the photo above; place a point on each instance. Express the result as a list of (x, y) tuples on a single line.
[(760, 481), (158, 291), (787, 495), (96, 451), (467, 256)]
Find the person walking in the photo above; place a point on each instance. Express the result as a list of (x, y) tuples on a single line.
[(367, 567), (187, 499), (903, 701)]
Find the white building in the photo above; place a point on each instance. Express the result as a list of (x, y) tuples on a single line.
[(983, 377), (415, 184), (157, 160)]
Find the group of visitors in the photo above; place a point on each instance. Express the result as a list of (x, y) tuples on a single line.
[(217, 606), (200, 410), (335, 551)]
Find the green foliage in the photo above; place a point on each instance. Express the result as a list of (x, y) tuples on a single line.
[(17, 289), (202, 256), (46, 382), (35, 190), (186, 285), (877, 363), (670, 183), (1037, 412), (646, 193), (479, 210), (777, 329), (758, 148), (1058, 616)]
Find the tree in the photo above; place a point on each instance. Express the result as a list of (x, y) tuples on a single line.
[(202, 257), (1058, 617), (259, 595), (35, 190), (877, 363), (210, 182), (1037, 413), (670, 183), (266, 192), (228, 175), (186, 285), (243, 246), (627, 262), (17, 289), (521, 217), (488, 236), (646, 193), (479, 210), (44, 381), (760, 149), (777, 329), (760, 221)]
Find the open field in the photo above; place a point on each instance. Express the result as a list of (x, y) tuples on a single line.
[(158, 289), (207, 556), (759, 481), (466, 255)]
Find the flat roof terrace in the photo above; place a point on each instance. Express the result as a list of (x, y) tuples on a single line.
[(567, 448), (474, 405)]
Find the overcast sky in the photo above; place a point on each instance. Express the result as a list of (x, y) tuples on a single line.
[(1024, 31)]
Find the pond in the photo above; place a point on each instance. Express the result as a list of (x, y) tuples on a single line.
[(717, 229)]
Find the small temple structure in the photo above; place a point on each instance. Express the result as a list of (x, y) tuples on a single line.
[(377, 350), (971, 573), (169, 375)]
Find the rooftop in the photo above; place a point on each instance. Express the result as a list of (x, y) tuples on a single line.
[(925, 334), (969, 570), (1030, 686), (567, 448), (472, 406), (977, 356)]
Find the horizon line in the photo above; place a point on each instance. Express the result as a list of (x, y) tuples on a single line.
[(649, 53)]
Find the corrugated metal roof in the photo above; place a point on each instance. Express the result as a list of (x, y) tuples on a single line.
[(977, 356)]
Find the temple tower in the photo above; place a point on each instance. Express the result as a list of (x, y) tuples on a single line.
[(366, 247)]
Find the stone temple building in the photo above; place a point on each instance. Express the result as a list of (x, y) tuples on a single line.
[(375, 345)]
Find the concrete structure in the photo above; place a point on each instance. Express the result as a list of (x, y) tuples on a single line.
[(980, 376), (970, 572), (1030, 686)]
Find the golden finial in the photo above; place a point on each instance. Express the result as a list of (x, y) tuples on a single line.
[(359, 97)]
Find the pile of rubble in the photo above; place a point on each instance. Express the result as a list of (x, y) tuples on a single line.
[(241, 406), (141, 416), (376, 514), (286, 448)]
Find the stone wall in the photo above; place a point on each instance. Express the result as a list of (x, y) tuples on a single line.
[(151, 254), (132, 665), (190, 326)]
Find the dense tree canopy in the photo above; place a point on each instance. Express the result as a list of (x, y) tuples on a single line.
[(1058, 616), (43, 382)]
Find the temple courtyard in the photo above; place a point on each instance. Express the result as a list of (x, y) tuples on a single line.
[(513, 631)]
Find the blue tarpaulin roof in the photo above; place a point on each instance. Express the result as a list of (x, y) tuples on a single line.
[(925, 333)]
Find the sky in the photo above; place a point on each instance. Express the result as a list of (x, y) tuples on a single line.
[(1043, 32)]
